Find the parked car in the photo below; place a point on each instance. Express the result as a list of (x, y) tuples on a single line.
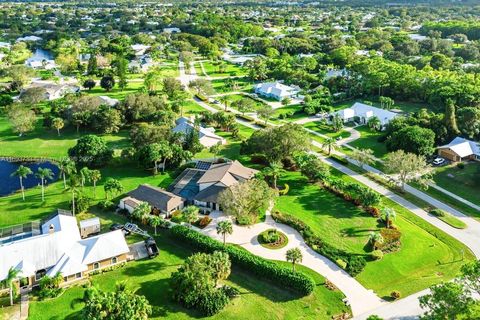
[(152, 248), (438, 161)]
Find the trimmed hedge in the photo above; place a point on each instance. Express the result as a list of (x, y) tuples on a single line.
[(261, 267), (354, 263)]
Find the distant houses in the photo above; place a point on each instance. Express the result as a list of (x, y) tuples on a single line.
[(276, 90), (56, 247), (207, 136), (54, 91), (460, 149), (361, 113)]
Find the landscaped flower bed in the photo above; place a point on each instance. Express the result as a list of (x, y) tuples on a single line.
[(272, 239)]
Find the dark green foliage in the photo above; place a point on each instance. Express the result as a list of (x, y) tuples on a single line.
[(265, 269), (91, 151), (412, 139), (355, 264)]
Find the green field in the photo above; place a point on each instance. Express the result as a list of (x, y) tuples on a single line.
[(240, 84), (462, 182), (369, 140), (326, 130), (427, 255), (212, 69), (151, 278)]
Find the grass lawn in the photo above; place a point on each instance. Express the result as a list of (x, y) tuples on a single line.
[(235, 97), (44, 142), (151, 278), (462, 182), (242, 84), (230, 70), (326, 130), (427, 255), (369, 140), (116, 92)]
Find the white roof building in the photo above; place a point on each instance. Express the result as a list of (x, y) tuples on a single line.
[(59, 248), (139, 49), (459, 149), (417, 37), (29, 38), (172, 30), (364, 112), (276, 90), (207, 136)]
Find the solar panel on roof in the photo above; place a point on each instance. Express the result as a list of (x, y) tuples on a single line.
[(203, 165)]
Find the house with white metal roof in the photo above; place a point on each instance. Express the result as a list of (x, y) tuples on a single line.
[(460, 149), (207, 136), (276, 90), (57, 248), (361, 112)]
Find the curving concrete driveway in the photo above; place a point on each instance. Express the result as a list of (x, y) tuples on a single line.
[(361, 300)]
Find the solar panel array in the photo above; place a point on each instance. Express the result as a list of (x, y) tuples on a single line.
[(203, 165)]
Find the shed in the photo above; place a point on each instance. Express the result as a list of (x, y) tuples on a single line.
[(89, 227)]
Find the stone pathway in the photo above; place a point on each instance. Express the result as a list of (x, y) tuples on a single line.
[(360, 299), (24, 306)]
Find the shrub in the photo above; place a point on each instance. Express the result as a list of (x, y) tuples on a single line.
[(263, 268), (342, 264), (391, 240), (231, 292), (270, 236), (339, 159), (377, 255), (106, 205), (438, 212), (395, 294), (203, 222), (212, 303), (461, 165), (177, 216)]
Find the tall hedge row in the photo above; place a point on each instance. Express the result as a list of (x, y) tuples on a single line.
[(261, 267), (354, 263)]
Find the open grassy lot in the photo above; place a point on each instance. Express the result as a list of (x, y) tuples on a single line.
[(326, 130), (116, 92), (151, 278), (462, 182), (212, 69), (238, 84), (427, 255), (235, 97), (369, 140)]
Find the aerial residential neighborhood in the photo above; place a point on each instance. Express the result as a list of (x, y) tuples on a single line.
[(240, 160)]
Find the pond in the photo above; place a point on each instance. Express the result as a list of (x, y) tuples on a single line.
[(40, 55), (9, 184)]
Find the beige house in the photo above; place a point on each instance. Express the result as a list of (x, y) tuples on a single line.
[(460, 149), (158, 198)]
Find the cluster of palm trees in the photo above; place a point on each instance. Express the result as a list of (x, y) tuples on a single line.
[(43, 174), (375, 238)]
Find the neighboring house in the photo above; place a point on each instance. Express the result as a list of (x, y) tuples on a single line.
[(89, 227), (207, 136), (55, 91), (172, 30), (158, 199), (56, 247), (417, 37), (276, 90), (41, 64), (106, 100), (361, 112), (139, 49), (202, 185), (460, 149), (333, 73), (29, 38), (239, 59)]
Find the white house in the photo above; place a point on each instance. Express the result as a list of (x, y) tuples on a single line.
[(56, 247), (55, 91), (29, 38), (460, 149), (172, 30), (207, 136), (139, 49), (276, 90), (361, 112)]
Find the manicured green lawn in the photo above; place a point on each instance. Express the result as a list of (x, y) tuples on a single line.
[(242, 84), (44, 142), (427, 255), (151, 278), (462, 182), (231, 70), (369, 140), (235, 97), (326, 130), (116, 93)]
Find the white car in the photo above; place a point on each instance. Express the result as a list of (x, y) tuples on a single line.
[(438, 161)]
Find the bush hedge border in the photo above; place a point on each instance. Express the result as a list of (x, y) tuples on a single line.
[(282, 276)]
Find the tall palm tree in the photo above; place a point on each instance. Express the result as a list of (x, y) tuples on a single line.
[(11, 277), (142, 212), (154, 221), (67, 167), (85, 175), (375, 238), (330, 144), (74, 184), (389, 214), (274, 171), (224, 227), (22, 173), (224, 100), (294, 256), (95, 175), (43, 174)]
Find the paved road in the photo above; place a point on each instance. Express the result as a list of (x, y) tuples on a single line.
[(361, 299)]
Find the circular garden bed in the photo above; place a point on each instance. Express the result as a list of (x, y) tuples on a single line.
[(272, 239)]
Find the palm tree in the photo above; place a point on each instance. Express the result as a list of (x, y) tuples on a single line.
[(95, 175), (224, 100), (74, 183), (142, 212), (85, 174), (389, 214), (43, 174), (191, 214), (224, 227), (67, 167), (154, 221), (294, 255), (11, 277), (274, 171), (374, 123), (22, 173), (375, 238), (330, 144)]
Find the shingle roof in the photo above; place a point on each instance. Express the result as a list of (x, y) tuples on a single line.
[(227, 173), (156, 197), (209, 194)]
